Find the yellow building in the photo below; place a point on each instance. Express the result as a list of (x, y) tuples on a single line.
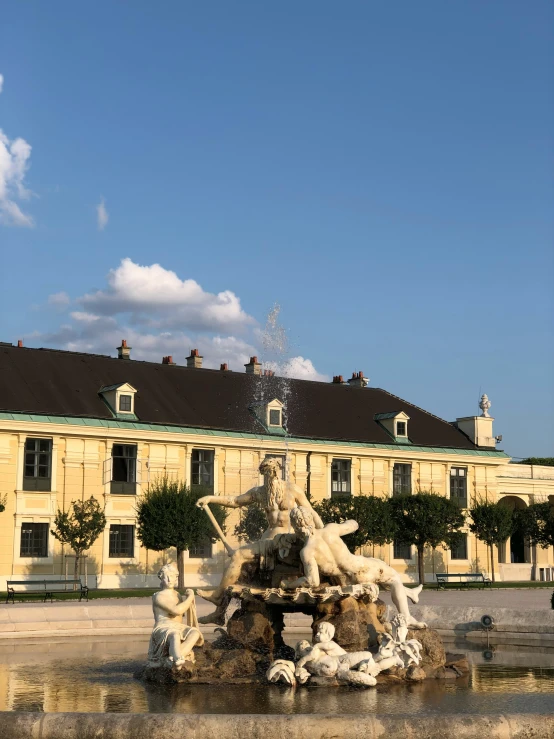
[(74, 425)]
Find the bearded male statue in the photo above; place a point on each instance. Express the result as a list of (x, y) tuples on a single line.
[(277, 497)]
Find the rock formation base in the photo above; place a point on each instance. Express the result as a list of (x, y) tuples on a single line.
[(253, 639)]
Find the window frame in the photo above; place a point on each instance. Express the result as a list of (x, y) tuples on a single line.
[(279, 413), (128, 486), (398, 545), (30, 554), (461, 559), (456, 478), (405, 425), (126, 397), (195, 475), (120, 554), (341, 467), (399, 477), (37, 482), (193, 551)]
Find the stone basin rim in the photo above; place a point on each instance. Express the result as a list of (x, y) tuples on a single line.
[(24, 725)]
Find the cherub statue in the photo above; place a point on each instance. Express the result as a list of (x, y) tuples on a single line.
[(172, 641), (278, 497), (325, 658), (325, 553), (395, 644)]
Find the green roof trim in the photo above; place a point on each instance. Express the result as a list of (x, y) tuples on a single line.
[(115, 423)]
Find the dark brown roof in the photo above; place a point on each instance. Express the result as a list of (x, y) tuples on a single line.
[(48, 381)]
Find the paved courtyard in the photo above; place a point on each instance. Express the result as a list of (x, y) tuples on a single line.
[(522, 599)]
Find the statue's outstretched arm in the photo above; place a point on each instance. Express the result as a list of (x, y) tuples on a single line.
[(228, 501)]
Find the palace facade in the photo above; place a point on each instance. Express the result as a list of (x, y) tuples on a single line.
[(74, 425)]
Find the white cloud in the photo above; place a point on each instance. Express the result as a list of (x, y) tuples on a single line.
[(157, 298), (1, 82), (59, 300), (298, 367), (159, 314), (102, 215), (14, 163)]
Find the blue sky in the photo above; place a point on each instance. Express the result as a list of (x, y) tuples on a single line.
[(382, 171)]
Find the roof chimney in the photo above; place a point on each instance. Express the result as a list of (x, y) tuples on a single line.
[(20, 343), (338, 380), (253, 367), (358, 379), (268, 373), (194, 361), (124, 351), (168, 360), (223, 367)]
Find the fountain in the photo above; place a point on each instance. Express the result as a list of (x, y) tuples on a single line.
[(298, 565)]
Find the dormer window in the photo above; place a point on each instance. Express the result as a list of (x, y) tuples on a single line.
[(270, 415), (395, 424), (126, 403), (275, 417), (120, 399)]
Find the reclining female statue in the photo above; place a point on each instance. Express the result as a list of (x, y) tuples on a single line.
[(324, 553)]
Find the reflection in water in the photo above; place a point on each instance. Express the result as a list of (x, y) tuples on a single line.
[(98, 676)]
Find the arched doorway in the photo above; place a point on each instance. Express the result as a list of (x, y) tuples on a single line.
[(516, 550)]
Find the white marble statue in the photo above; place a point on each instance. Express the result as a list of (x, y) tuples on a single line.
[(396, 644), (325, 658), (484, 405), (324, 553), (278, 497), (172, 641)]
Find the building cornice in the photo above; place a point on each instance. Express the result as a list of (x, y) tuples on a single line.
[(130, 426)]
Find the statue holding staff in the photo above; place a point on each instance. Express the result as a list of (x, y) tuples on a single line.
[(278, 497)]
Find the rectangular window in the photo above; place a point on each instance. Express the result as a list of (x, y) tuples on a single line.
[(281, 459), (274, 417), (38, 464), (402, 551), (34, 540), (401, 428), (340, 477), (202, 467), (458, 485), (402, 479), (202, 550), (125, 403), (122, 540), (459, 549), (124, 469)]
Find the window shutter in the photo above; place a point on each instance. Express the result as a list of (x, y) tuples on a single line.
[(107, 470)]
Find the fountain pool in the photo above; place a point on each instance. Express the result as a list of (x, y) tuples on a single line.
[(96, 676)]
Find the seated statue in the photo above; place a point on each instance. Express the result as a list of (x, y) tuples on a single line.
[(278, 497), (172, 641), (324, 553)]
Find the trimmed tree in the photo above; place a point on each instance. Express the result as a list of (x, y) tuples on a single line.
[(79, 528), (377, 525), (536, 523), (167, 516), (252, 523), (491, 523), (426, 519)]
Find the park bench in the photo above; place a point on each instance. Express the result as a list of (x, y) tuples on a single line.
[(44, 588), (461, 579)]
